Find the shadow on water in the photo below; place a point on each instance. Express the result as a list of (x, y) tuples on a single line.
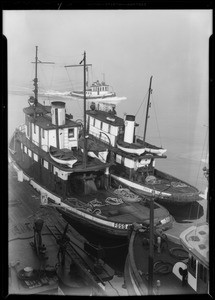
[(115, 250), (185, 213)]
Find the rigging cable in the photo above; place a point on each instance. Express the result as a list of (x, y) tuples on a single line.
[(156, 120), (144, 99), (92, 75), (42, 71), (73, 89)]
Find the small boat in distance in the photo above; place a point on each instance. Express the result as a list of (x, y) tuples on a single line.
[(98, 91)]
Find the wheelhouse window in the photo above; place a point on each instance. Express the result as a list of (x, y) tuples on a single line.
[(34, 128), (43, 133), (35, 156), (109, 128), (45, 164), (29, 152), (25, 149), (71, 133)]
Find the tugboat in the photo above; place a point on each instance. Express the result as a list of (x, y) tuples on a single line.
[(135, 158), (160, 271), (46, 152), (98, 91), (195, 240), (156, 265)]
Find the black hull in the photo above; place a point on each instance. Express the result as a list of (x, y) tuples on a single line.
[(99, 231), (188, 194), (45, 179)]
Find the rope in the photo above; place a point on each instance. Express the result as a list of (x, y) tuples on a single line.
[(43, 73), (144, 99), (162, 267), (178, 249), (156, 120), (72, 87), (69, 78), (92, 75), (126, 193), (113, 201)]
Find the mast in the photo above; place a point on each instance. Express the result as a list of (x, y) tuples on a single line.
[(151, 246), (87, 81), (84, 127), (36, 79), (147, 110), (206, 173)]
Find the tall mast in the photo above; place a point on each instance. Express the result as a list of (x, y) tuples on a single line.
[(147, 110), (151, 246), (84, 127), (36, 79), (87, 81)]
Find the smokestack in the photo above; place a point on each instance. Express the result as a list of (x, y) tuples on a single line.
[(58, 113), (129, 128)]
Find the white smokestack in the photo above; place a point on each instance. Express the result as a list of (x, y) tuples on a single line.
[(129, 128), (58, 113)]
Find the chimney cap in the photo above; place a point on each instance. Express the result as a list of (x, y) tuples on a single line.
[(130, 117), (58, 104)]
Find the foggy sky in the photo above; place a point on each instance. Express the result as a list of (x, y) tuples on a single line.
[(128, 46)]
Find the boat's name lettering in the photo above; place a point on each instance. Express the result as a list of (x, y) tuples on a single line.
[(121, 226)]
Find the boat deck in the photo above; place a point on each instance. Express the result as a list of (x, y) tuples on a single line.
[(92, 164), (119, 211), (196, 239), (169, 283)]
